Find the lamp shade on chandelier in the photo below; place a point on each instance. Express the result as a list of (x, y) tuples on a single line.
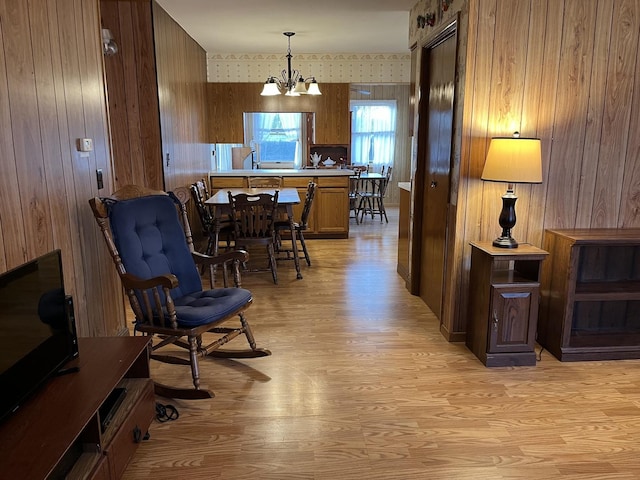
[(290, 82)]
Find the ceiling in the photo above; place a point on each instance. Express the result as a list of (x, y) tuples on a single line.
[(321, 26)]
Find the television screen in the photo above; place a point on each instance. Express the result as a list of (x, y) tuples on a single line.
[(36, 334)]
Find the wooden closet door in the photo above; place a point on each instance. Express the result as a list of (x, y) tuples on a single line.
[(440, 61)]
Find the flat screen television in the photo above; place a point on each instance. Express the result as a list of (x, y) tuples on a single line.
[(37, 331)]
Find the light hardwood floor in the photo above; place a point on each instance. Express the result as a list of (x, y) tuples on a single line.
[(361, 385)]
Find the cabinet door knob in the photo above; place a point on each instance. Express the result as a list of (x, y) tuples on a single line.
[(495, 319)]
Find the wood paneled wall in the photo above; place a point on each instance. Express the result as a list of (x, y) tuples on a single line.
[(133, 95), (51, 94), (156, 91), (566, 71), (181, 66), (401, 161), (226, 102)]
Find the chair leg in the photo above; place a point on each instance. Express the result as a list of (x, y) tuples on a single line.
[(247, 331), (304, 248), (272, 263), (193, 357), (383, 210), (361, 208)]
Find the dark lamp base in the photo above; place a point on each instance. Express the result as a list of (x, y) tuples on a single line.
[(505, 242)]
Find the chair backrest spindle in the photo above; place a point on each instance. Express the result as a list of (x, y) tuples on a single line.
[(308, 201)]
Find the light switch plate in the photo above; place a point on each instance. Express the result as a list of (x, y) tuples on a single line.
[(85, 145)]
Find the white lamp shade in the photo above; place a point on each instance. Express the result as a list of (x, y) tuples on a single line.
[(313, 89), (513, 160), (270, 88), (301, 87)]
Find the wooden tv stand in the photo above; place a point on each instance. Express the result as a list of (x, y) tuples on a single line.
[(57, 433)]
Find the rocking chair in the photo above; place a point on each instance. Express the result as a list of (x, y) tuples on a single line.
[(149, 239)]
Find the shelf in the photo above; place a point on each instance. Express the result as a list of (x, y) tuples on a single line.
[(589, 292), (333, 151), (135, 388), (509, 277), (607, 291), (619, 338)]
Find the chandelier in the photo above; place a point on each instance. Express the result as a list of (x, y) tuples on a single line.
[(291, 82)]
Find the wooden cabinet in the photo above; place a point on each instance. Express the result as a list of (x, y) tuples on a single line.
[(58, 432), (332, 207), (218, 183), (337, 153), (503, 303), (590, 294)]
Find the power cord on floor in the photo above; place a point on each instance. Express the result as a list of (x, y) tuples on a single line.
[(165, 413)]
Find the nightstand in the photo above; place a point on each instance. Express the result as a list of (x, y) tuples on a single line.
[(504, 291)]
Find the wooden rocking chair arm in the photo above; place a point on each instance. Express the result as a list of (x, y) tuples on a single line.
[(130, 281), (202, 259)]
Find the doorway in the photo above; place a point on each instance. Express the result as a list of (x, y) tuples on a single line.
[(433, 173)]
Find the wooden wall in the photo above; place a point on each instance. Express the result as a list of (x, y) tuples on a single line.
[(156, 91), (565, 71), (401, 161), (181, 66), (226, 102), (133, 95), (51, 94)]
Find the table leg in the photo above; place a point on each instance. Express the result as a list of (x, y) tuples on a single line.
[(216, 234), (294, 242)]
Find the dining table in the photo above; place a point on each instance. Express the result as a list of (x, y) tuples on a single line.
[(287, 198)]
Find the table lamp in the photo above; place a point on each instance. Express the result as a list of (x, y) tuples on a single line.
[(512, 160)]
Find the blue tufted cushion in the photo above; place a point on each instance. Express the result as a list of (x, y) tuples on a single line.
[(150, 238), (209, 306)]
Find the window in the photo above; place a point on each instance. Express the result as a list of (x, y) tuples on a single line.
[(276, 137), (222, 156), (373, 132)]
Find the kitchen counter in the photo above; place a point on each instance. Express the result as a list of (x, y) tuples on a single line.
[(284, 172), (329, 216)]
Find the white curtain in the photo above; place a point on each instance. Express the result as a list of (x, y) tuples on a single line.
[(263, 131), (373, 132), (221, 158)]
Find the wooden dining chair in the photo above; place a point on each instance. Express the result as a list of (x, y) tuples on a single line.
[(354, 197), (254, 223), (200, 193), (148, 236), (372, 200), (299, 227), (264, 182)]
